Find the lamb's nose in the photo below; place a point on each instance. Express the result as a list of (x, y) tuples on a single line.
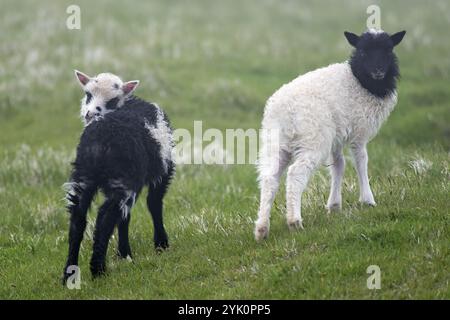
[(378, 74)]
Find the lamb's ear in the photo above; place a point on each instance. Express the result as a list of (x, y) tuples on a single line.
[(352, 38), (397, 37), (129, 87), (83, 79)]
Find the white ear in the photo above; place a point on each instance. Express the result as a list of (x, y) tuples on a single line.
[(129, 87), (83, 79)]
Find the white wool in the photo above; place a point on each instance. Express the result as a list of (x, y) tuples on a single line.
[(316, 114), (72, 189), (325, 107), (375, 31), (162, 133), (125, 205)]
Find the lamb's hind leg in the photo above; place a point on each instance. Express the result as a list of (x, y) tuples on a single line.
[(117, 186), (124, 250), (113, 209), (79, 197), (270, 171), (298, 176)]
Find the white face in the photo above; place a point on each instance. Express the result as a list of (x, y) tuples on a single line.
[(104, 93)]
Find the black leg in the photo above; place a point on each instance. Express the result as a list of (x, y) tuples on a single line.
[(109, 214), (155, 206), (79, 197), (124, 244)]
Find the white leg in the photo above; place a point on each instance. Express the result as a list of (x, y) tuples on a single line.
[(337, 173), (297, 179), (361, 159), (269, 179)]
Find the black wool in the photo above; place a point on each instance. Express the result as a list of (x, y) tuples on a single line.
[(118, 155), (373, 61)]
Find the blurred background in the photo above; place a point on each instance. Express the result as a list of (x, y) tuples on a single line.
[(218, 61)]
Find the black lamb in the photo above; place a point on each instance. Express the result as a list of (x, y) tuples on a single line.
[(120, 152)]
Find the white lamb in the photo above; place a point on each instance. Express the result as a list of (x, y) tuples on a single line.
[(317, 114)]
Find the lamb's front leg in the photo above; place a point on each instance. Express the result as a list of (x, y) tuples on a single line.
[(337, 173), (361, 158)]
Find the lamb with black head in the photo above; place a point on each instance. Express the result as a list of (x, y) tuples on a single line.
[(320, 112), (373, 61)]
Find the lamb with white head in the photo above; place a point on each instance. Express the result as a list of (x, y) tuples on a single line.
[(126, 145), (104, 93)]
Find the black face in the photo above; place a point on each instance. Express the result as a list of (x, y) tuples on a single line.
[(373, 62), (376, 56)]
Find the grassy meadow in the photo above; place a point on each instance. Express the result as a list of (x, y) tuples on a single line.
[(218, 61)]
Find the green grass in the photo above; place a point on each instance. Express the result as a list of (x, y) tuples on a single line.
[(218, 61)]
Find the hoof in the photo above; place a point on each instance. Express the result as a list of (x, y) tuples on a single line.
[(334, 207), (161, 246), (128, 258), (295, 225), (66, 275), (261, 232), (369, 203), (98, 271), (368, 200), (124, 255), (64, 278)]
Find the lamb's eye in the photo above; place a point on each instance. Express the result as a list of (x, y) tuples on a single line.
[(88, 97), (112, 104)]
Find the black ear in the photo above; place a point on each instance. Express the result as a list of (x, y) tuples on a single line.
[(397, 37), (352, 38)]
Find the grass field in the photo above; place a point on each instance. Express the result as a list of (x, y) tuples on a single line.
[(218, 61)]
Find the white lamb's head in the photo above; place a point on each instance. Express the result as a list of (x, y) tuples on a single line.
[(104, 93)]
